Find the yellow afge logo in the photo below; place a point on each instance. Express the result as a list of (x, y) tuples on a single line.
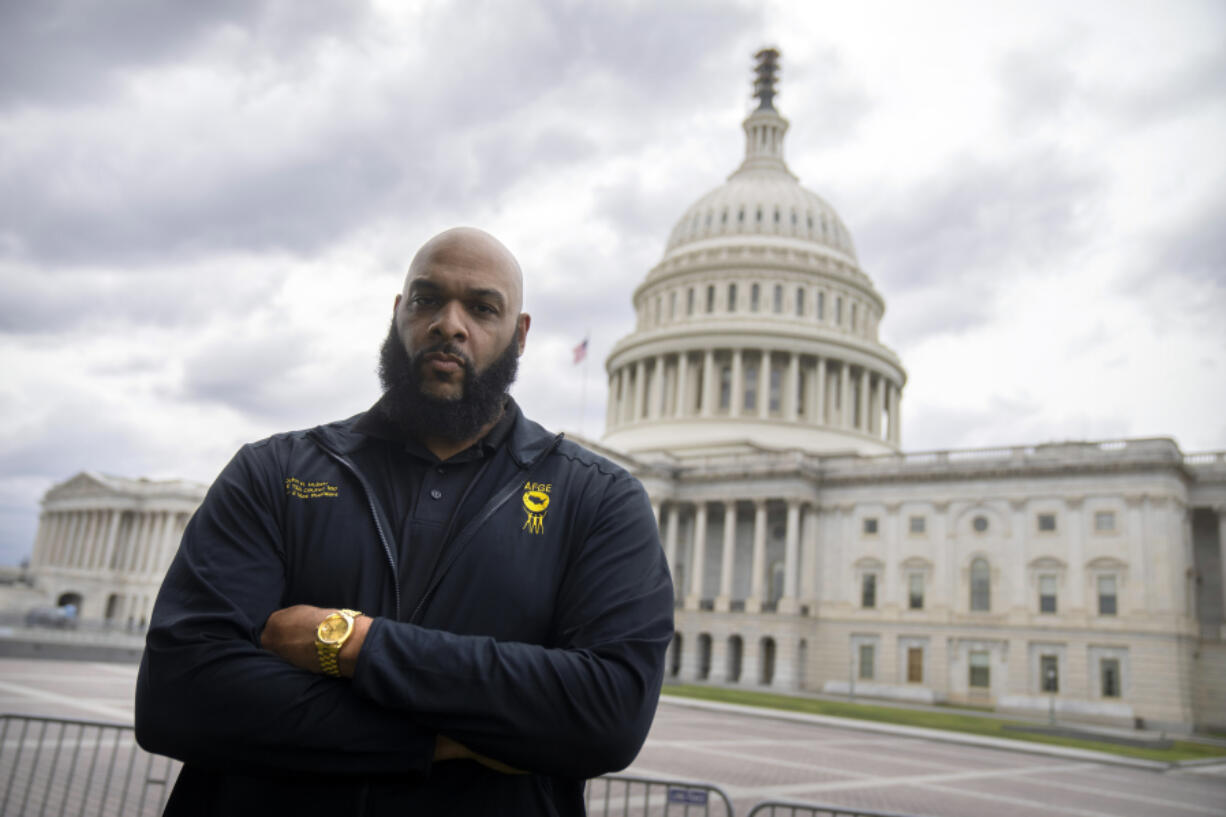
[(536, 503)]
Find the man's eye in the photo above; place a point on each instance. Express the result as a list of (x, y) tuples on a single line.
[(423, 300), (485, 309)]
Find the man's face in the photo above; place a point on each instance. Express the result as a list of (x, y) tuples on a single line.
[(455, 339), (459, 309)]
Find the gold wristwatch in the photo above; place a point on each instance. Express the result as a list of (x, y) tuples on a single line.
[(330, 636)]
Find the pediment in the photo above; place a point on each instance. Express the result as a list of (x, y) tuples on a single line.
[(84, 484), (1047, 563)]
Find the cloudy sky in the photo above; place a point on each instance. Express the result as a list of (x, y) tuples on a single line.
[(206, 208)]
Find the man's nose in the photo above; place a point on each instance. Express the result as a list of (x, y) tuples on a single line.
[(449, 322)]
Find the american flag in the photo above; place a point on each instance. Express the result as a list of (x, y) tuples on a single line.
[(580, 352)]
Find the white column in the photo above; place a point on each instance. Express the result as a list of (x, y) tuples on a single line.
[(727, 560), (1221, 545), (670, 543), (1076, 558), (656, 410), (709, 387), (640, 385), (864, 382), (737, 398), (683, 375), (764, 384), (791, 390), (55, 537), (700, 556), (845, 413), (610, 406), (820, 401), (808, 558), (757, 587), (791, 556), (874, 400), (896, 415), (108, 547), (154, 550), (74, 541)]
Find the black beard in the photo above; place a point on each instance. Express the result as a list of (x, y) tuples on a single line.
[(420, 414)]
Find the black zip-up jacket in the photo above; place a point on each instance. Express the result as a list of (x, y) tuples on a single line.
[(540, 640)]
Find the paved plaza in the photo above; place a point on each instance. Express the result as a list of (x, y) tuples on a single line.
[(755, 758)]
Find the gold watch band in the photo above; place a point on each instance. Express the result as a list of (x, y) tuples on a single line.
[(329, 651)]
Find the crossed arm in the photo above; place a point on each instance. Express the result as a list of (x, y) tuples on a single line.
[(231, 676)]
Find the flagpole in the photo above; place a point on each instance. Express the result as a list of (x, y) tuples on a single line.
[(587, 340)]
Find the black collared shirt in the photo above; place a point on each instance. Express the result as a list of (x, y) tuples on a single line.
[(421, 493)]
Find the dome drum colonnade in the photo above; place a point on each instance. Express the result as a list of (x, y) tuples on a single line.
[(758, 325)]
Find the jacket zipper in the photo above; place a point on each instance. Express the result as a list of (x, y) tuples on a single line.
[(375, 513), (457, 545)]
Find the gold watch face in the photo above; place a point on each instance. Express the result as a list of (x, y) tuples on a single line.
[(333, 628)]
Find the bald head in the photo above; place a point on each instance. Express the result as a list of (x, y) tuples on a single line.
[(467, 249)]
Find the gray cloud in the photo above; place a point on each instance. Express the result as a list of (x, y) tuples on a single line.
[(57, 52), (49, 303), (944, 244)]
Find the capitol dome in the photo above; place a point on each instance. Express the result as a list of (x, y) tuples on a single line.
[(757, 329)]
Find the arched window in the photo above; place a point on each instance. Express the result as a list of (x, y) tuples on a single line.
[(981, 585), (704, 657), (736, 650), (767, 668), (674, 668)]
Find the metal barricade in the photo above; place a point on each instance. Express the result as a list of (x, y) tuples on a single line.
[(56, 766), (629, 796), (787, 808)]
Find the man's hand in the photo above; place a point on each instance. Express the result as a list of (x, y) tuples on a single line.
[(290, 633), (447, 749)]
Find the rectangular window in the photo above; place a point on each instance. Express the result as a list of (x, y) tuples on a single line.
[(778, 298), (1109, 671), (776, 398), (853, 317), (751, 388), (980, 673), (821, 306), (710, 299), (1106, 595), (1049, 673), (1047, 522), (915, 591), (725, 387), (838, 311), (689, 301), (753, 298), (870, 525), (868, 590), (866, 661), (800, 300), (732, 297), (1047, 594), (915, 665), (672, 304), (917, 524), (1104, 521), (800, 393)]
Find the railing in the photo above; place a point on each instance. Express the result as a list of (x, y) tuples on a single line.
[(79, 768), (785, 808), (630, 796), (76, 768)]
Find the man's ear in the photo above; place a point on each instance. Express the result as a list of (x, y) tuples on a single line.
[(521, 330), (396, 303)]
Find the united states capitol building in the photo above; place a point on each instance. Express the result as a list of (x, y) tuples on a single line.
[(760, 409)]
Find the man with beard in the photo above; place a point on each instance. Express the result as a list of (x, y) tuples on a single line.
[(434, 607)]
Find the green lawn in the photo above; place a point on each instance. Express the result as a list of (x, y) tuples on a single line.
[(952, 721)]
